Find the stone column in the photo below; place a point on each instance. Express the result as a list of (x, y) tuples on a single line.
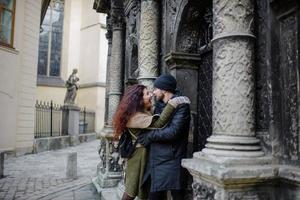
[(115, 68), (232, 165), (110, 167), (233, 81), (148, 42), (109, 39)]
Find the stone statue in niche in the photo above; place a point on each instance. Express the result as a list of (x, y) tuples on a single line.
[(72, 87)]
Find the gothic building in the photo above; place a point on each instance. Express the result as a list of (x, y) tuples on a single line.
[(238, 61)]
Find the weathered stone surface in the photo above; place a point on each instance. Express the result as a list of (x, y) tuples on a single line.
[(70, 120), (1, 164), (55, 143), (71, 169)]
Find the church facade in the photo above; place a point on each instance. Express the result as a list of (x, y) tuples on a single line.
[(238, 62)]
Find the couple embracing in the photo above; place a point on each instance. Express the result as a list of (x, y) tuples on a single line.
[(155, 165)]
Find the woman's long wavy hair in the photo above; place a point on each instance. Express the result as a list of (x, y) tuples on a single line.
[(131, 102)]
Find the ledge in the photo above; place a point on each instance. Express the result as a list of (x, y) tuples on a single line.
[(90, 85), (50, 81), (9, 49), (233, 172), (55, 143)]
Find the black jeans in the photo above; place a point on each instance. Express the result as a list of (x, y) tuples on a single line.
[(161, 195)]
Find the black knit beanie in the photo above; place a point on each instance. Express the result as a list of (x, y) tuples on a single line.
[(166, 82)]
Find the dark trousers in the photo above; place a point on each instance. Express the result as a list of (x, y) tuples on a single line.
[(162, 195)]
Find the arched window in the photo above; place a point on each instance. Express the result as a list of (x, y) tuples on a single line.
[(50, 45)]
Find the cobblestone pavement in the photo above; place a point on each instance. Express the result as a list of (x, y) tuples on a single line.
[(43, 176)]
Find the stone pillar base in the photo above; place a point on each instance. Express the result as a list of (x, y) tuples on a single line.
[(70, 120), (227, 178), (233, 146), (109, 179)]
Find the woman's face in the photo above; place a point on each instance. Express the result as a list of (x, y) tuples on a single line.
[(147, 99)]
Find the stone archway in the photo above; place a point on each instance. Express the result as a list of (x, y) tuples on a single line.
[(190, 62)]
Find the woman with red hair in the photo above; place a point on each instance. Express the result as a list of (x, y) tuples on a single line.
[(134, 114)]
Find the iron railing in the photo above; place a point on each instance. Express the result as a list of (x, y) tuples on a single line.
[(86, 121), (48, 119)]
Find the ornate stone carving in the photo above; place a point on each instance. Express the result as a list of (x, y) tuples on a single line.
[(189, 36), (148, 49), (131, 59), (115, 72), (233, 90), (117, 18), (115, 162), (233, 81), (110, 167), (233, 16), (108, 28), (110, 161), (203, 192), (196, 30), (101, 168)]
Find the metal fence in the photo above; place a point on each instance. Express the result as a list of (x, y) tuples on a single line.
[(48, 119), (86, 121)]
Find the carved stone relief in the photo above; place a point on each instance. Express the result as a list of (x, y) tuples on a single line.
[(195, 32), (132, 35), (148, 46), (233, 91), (102, 154), (203, 192), (233, 16)]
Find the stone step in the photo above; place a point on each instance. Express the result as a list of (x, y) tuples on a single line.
[(110, 194)]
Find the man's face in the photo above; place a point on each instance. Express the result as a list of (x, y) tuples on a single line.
[(159, 94), (147, 96)]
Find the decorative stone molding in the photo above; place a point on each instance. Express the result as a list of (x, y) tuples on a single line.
[(233, 18), (253, 195), (182, 60)]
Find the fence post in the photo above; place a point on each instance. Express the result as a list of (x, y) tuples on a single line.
[(51, 117), (84, 115)]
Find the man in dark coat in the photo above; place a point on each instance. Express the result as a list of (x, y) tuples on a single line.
[(167, 146)]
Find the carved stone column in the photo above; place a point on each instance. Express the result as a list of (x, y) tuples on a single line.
[(233, 81), (110, 170), (148, 42), (232, 162), (109, 39)]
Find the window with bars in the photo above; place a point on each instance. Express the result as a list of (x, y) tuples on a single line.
[(50, 44), (7, 15)]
